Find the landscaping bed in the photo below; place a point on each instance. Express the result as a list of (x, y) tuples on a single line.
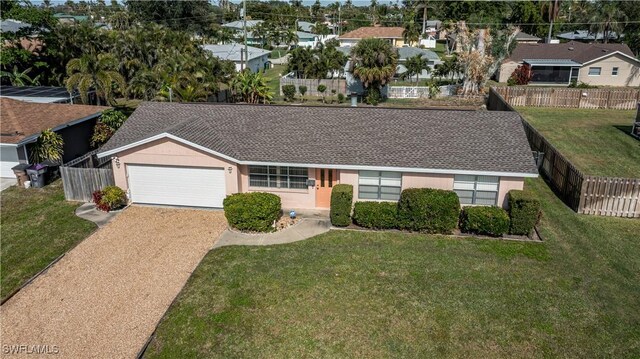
[(597, 142), (384, 294), (37, 226)]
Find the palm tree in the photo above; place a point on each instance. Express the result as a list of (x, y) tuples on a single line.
[(607, 19), (552, 8), (290, 37), (373, 62), (17, 78), (415, 65), (48, 146), (98, 72), (411, 32), (251, 87), (320, 28)]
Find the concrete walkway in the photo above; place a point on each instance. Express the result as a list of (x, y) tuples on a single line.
[(6, 183), (306, 228), (89, 212)]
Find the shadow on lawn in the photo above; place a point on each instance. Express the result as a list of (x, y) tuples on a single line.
[(626, 129)]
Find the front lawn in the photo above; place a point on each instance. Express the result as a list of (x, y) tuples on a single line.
[(597, 142), (355, 294), (37, 226)]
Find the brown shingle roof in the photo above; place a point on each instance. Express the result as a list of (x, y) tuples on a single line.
[(374, 31), (19, 119), (576, 51), (489, 141)]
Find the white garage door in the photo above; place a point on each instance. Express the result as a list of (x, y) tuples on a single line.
[(8, 159), (177, 186)]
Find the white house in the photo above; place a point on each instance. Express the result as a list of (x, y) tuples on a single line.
[(258, 59)]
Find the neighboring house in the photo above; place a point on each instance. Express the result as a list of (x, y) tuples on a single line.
[(41, 94), (10, 25), (31, 43), (197, 154), (307, 39), (70, 19), (524, 38), (586, 35), (406, 52), (239, 24), (559, 64), (258, 58), (22, 123), (391, 34)]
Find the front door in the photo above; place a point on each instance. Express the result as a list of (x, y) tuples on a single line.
[(325, 179)]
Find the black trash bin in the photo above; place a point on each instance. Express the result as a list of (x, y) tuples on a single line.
[(36, 175)]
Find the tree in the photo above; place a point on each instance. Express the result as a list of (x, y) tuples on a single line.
[(98, 72), (415, 65), (521, 75), (290, 37), (607, 19), (303, 90), (195, 15), (552, 9), (322, 88), (320, 28), (20, 78), (48, 146), (289, 92), (373, 62), (411, 32), (251, 87)]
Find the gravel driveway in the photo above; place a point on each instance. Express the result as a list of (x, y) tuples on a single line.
[(105, 297)]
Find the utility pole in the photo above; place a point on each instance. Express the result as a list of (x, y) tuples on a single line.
[(339, 22), (244, 26)]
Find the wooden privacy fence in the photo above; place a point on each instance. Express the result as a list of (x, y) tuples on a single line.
[(408, 92), (340, 85), (602, 196), (608, 98), (80, 183)]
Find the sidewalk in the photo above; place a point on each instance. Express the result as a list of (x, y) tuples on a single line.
[(306, 228)]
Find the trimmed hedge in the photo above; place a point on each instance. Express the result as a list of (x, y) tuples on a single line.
[(524, 212), (492, 221), (341, 200), (428, 210), (253, 211), (376, 215)]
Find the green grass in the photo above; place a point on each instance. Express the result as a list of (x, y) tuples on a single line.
[(596, 141), (277, 53), (370, 295), (37, 226), (273, 77)]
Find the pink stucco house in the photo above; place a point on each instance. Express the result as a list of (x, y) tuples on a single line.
[(197, 154)]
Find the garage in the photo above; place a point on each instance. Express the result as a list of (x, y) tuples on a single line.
[(176, 186), (8, 159)]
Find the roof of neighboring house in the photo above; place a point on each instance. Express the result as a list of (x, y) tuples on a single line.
[(407, 52), (573, 50), (10, 25), (22, 120), (437, 141), (523, 36), (60, 15), (305, 35), (306, 26), (238, 24), (374, 31), (586, 35), (232, 51), (41, 94)]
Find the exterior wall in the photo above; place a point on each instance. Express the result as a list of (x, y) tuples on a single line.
[(438, 181), (628, 72), (77, 139), (166, 152), (291, 198), (254, 65), (348, 42), (506, 69), (506, 185)]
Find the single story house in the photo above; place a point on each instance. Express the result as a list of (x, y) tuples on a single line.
[(307, 39), (197, 154), (10, 25), (239, 24), (258, 58), (22, 123), (391, 34), (587, 36), (524, 38), (70, 19), (42, 94), (405, 53), (560, 64)]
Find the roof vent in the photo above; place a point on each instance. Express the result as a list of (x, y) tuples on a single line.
[(571, 49), (605, 50)]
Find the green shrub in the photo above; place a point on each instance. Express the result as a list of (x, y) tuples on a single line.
[(428, 210), (376, 215), (524, 212), (289, 92), (253, 211), (110, 198), (341, 200), (340, 98), (492, 221)]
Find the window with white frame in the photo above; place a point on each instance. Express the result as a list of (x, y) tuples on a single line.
[(480, 190), (278, 177), (614, 71), (380, 185), (594, 71)]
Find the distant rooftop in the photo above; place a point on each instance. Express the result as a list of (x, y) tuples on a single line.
[(407, 52), (238, 24), (232, 51), (586, 35), (374, 31), (10, 25), (39, 94)]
